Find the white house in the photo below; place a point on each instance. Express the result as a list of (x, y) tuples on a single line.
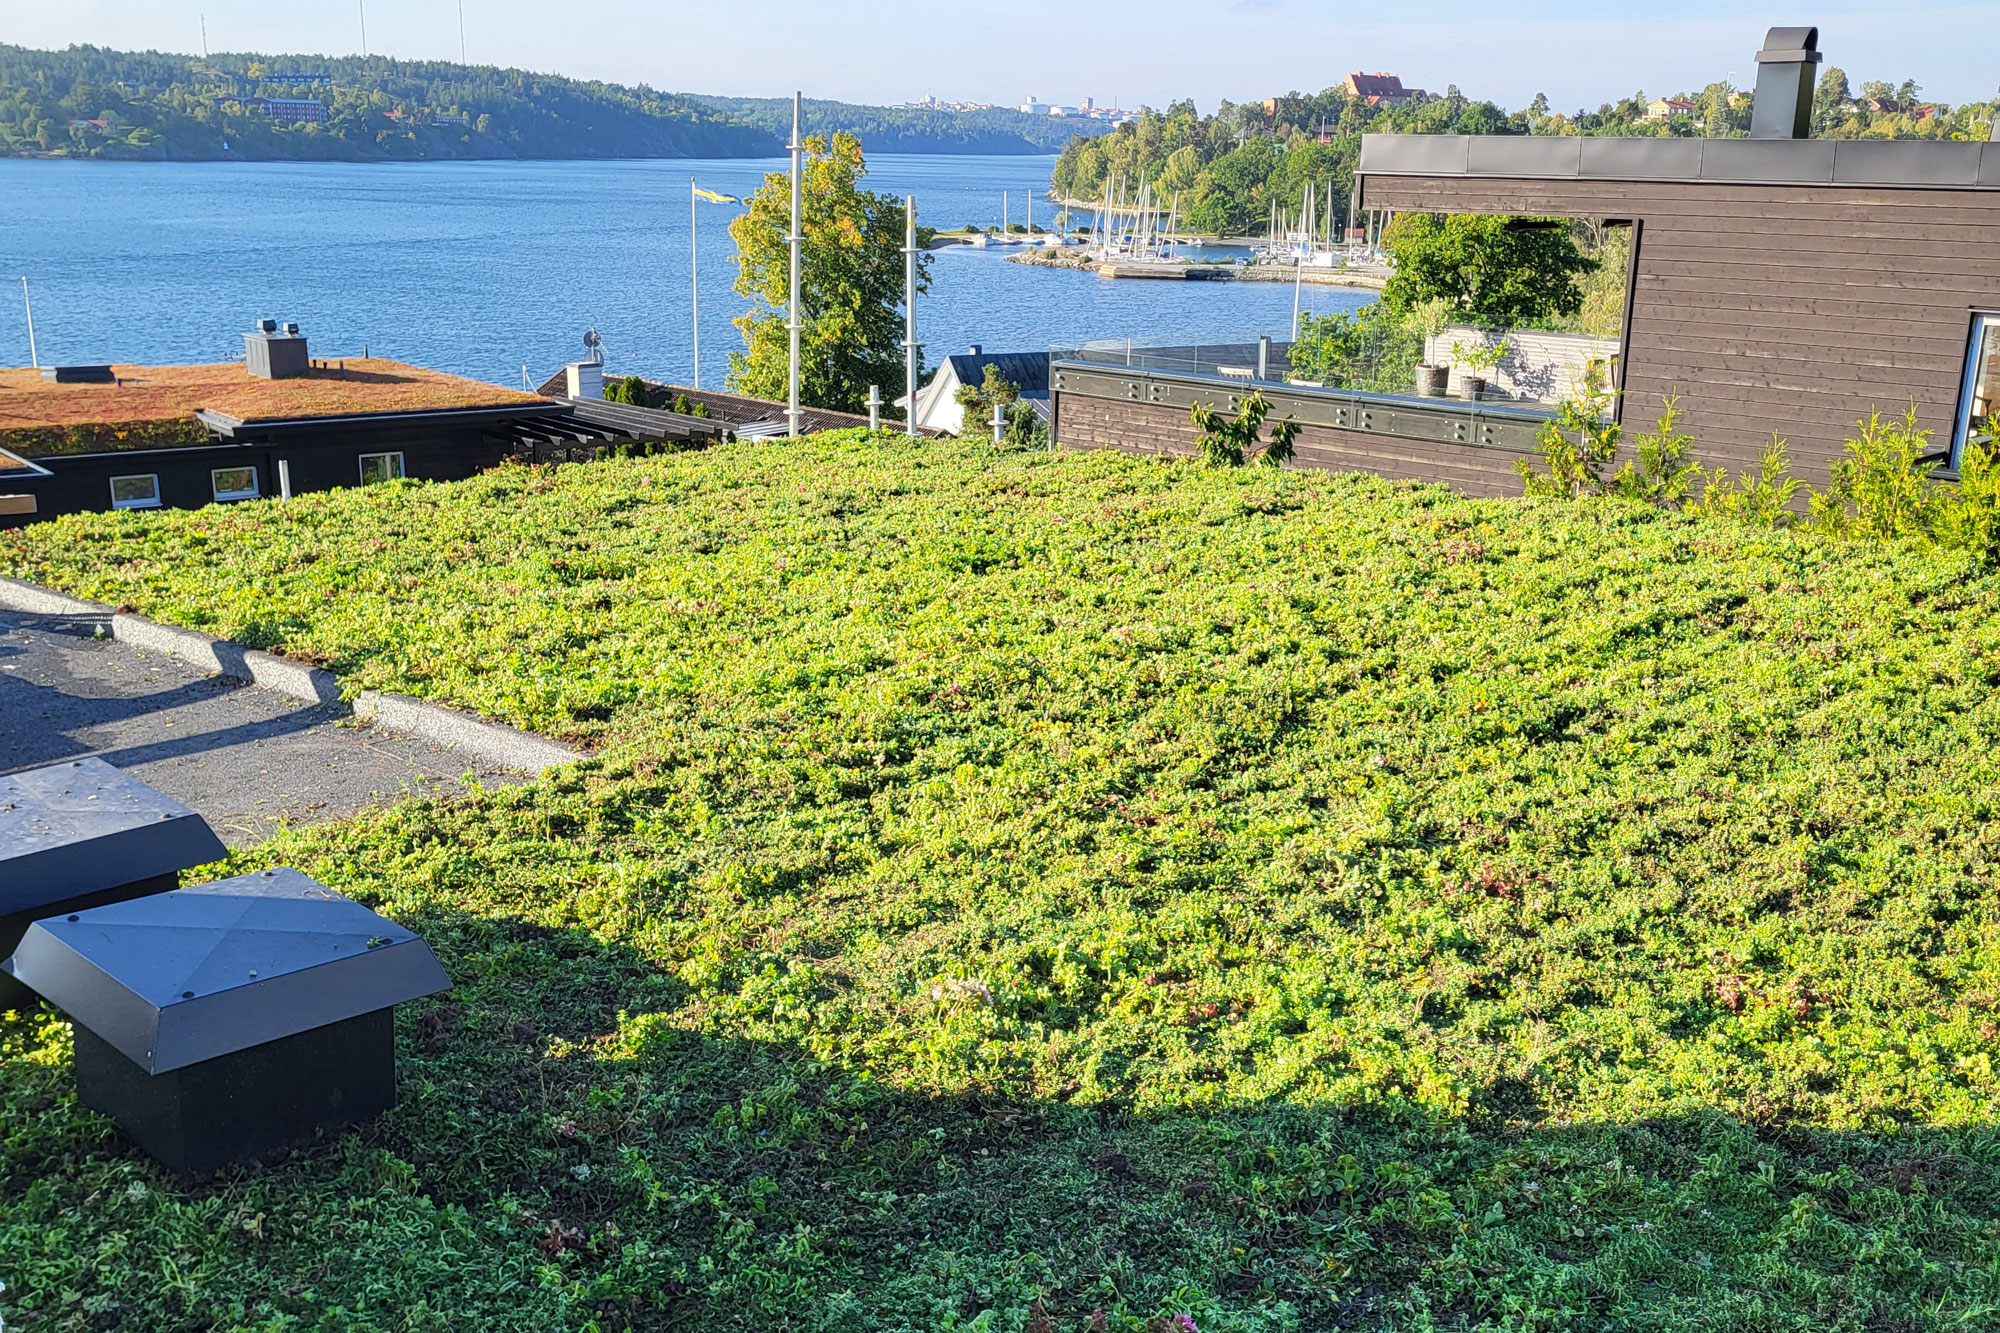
[(937, 403)]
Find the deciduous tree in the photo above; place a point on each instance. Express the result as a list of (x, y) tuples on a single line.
[(1499, 271), (851, 282)]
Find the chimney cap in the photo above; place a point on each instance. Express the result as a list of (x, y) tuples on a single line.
[(973, 350), (1791, 46), (267, 326)]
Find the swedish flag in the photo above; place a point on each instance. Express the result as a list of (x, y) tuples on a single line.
[(715, 198)]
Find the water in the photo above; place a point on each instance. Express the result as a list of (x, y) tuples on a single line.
[(485, 267)]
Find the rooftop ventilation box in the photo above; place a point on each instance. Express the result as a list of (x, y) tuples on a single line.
[(274, 353)]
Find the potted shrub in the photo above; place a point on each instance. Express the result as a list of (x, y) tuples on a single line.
[(1477, 361), (1428, 319)]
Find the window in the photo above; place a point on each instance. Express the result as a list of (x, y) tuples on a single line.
[(136, 492), (1982, 383), (234, 483), (381, 467)]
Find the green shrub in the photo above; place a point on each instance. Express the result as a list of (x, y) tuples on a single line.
[(1577, 444), (1230, 442), (1763, 498), (1660, 472), (1967, 515), (629, 389), (1370, 349), (1881, 487)]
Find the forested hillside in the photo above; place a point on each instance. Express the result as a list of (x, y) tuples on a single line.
[(1230, 167), (915, 129), (93, 102)]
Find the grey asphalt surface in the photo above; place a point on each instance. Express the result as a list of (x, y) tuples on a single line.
[(245, 758)]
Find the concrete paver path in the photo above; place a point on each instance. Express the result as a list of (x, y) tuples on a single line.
[(243, 757)]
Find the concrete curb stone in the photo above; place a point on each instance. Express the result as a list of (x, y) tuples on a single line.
[(505, 747)]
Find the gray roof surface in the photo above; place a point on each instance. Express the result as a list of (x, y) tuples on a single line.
[(81, 827), (1028, 371), (182, 977), (1883, 164)]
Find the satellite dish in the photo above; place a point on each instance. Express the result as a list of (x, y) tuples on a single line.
[(594, 344)]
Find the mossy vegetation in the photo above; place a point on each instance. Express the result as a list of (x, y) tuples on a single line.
[(1039, 891)]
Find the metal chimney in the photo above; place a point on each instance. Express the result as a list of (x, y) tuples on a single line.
[(1784, 105)]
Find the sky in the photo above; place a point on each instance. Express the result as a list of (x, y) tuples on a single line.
[(888, 51)]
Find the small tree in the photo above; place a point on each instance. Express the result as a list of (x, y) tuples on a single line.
[(1881, 488), (1230, 443), (629, 389), (1661, 473), (1763, 498), (1577, 445), (1021, 426)]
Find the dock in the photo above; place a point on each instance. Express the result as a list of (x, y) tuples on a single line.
[(1168, 272)]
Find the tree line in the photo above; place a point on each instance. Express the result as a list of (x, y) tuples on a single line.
[(892, 129), (92, 102), (1228, 169)]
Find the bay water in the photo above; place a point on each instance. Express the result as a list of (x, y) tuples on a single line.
[(493, 269)]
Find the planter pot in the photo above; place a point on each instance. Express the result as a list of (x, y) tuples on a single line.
[(1432, 381), (1471, 388)]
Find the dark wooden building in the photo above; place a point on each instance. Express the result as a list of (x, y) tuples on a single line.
[(1778, 284), (1792, 286), (317, 439)]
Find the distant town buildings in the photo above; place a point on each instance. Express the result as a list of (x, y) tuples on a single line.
[(283, 110), (1378, 89), (1034, 106), (1666, 108), (933, 104)]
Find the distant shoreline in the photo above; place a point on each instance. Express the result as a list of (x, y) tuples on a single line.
[(240, 160)]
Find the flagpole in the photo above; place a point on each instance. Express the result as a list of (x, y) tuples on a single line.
[(910, 315), (792, 385), (694, 279)]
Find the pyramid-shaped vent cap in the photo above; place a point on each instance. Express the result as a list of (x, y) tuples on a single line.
[(83, 826), (182, 977)]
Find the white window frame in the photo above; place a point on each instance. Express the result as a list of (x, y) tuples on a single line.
[(361, 464), (153, 503), (1985, 323), (222, 496)]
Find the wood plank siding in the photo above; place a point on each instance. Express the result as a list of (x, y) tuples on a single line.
[(1795, 309), (1088, 422)]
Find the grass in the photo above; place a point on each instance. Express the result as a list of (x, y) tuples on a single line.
[(1044, 892)]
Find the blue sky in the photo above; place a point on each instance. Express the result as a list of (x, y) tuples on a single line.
[(992, 50)]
